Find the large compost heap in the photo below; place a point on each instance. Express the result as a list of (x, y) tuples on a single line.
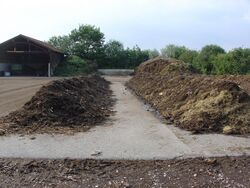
[(67, 105), (194, 102)]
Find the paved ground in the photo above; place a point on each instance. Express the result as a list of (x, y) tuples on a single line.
[(133, 133)]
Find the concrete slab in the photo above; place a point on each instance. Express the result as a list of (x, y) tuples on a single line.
[(116, 72), (132, 133)]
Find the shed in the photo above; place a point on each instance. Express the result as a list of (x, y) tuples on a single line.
[(26, 56)]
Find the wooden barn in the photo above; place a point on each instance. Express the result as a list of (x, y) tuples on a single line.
[(26, 56)]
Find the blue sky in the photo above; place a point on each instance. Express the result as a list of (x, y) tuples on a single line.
[(147, 23)]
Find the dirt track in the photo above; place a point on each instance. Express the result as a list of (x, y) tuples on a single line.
[(14, 92)]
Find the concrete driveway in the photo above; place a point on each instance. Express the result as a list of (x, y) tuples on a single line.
[(132, 133)]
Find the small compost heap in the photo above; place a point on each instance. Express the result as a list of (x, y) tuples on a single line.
[(66, 105)]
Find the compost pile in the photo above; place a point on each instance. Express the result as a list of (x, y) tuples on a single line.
[(242, 81), (73, 104), (198, 103)]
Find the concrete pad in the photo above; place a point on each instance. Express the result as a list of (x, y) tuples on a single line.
[(132, 133)]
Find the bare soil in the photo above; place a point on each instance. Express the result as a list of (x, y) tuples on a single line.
[(194, 102), (198, 172), (62, 106), (16, 91)]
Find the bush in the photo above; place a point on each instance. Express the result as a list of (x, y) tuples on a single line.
[(224, 64), (114, 55), (212, 59), (153, 53), (236, 61), (188, 56), (73, 66), (204, 61), (135, 56), (173, 51), (241, 59)]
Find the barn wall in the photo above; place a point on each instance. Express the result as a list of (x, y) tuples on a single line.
[(3, 58), (4, 67), (55, 59), (27, 57)]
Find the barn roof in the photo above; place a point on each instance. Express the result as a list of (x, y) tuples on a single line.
[(37, 42)]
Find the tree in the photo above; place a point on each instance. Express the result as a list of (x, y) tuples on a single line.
[(87, 42), (135, 56), (114, 55), (236, 61), (63, 43), (173, 51), (153, 53), (224, 64), (204, 61), (73, 66), (188, 56), (241, 59)]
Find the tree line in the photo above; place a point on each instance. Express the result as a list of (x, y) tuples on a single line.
[(87, 44), (212, 59)]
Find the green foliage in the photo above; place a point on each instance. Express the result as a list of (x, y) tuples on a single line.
[(223, 64), (236, 61), (203, 61), (188, 56), (135, 57), (241, 57), (63, 43), (73, 66), (212, 59), (114, 55), (173, 51), (87, 42), (153, 53)]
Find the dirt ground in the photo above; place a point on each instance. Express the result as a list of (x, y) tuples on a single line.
[(199, 172), (14, 92)]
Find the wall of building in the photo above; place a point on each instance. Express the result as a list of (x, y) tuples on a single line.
[(22, 56)]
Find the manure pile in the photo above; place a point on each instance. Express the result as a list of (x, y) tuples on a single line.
[(63, 106), (198, 103)]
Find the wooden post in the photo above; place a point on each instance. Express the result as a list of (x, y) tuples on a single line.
[(49, 73)]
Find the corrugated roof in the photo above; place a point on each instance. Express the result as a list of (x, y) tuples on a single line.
[(37, 42)]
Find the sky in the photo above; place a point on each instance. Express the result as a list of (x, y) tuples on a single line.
[(146, 23)]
